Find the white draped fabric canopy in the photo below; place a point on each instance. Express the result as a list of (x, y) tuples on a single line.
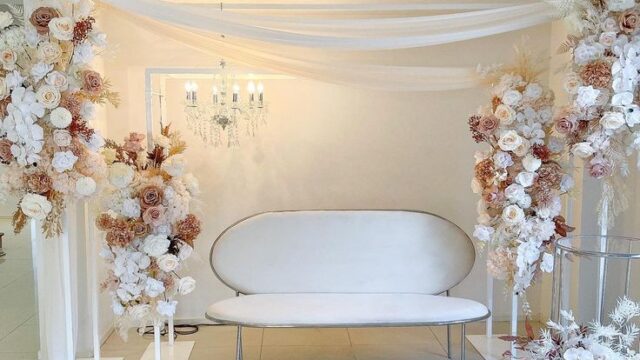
[(323, 41)]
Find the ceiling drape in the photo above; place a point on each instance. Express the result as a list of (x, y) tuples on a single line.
[(279, 40)]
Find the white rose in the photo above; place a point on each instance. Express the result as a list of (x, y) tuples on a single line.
[(502, 160), (514, 192), (40, 70), (6, 19), (505, 114), (174, 165), (523, 149), (608, 38), (610, 25), (86, 186), (62, 138), (612, 120), (512, 97), (63, 160), (510, 140), (57, 80), (83, 54), (156, 245), (140, 311), (547, 263), (49, 52), (61, 28), (582, 150), (154, 287), (620, 5), (35, 206), (525, 202), (531, 163), (8, 59), (166, 308), (587, 96), (168, 262), (533, 91), (48, 96), (483, 233), (120, 175), (585, 53), (186, 285), (526, 179), (131, 208), (512, 215), (60, 118), (185, 251)]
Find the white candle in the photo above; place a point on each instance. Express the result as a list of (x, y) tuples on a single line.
[(260, 92), (251, 88), (214, 92), (236, 92)]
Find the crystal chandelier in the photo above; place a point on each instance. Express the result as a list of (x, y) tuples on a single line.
[(223, 116)]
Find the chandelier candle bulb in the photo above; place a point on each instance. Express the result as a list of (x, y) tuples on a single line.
[(261, 93), (251, 88), (214, 96), (236, 92)]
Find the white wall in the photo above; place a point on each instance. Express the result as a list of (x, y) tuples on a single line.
[(325, 146)]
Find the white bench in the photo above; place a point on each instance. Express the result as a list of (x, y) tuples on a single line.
[(352, 268)]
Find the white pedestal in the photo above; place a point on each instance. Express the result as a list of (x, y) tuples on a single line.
[(181, 350), (489, 347)]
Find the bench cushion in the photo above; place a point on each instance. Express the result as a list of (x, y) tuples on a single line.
[(345, 310)]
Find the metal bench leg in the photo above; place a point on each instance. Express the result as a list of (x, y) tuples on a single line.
[(463, 352), (239, 344), (448, 341)]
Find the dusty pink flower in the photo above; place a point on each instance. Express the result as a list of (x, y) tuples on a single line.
[(133, 143), (41, 17), (92, 82), (5, 150), (600, 170), (154, 215)]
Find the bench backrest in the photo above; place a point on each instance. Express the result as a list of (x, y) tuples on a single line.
[(343, 251)]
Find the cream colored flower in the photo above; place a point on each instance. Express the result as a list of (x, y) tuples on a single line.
[(168, 262), (174, 165), (513, 215), (57, 80), (612, 120), (86, 186), (49, 52), (531, 163), (109, 155), (6, 19), (583, 150), (63, 160), (186, 285), (61, 138), (60, 118), (8, 59), (35, 206), (510, 141), (61, 28), (523, 148), (48, 96), (505, 114), (120, 175)]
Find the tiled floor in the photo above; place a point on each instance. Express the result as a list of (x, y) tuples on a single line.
[(218, 343), (18, 312)]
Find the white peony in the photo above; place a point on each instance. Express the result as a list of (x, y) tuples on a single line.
[(131, 208), (526, 179), (174, 165), (60, 118), (483, 233), (156, 245), (587, 96), (502, 160), (582, 150), (139, 311), (57, 80), (547, 263), (62, 28), (512, 97), (168, 262), (86, 186), (166, 308), (63, 160), (620, 5), (531, 163), (513, 215), (186, 285), (154, 287), (48, 96), (185, 251), (612, 120), (40, 70), (510, 141), (120, 175), (83, 54), (6, 19), (35, 206), (533, 91)]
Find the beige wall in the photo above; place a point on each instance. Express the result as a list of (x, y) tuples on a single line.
[(325, 146)]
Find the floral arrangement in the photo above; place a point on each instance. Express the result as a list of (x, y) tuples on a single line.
[(600, 122), (575, 342), (48, 96), (520, 178), (149, 227)]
